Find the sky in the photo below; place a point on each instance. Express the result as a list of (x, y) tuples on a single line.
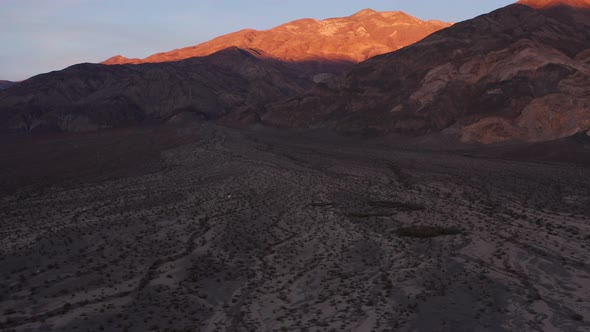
[(38, 36)]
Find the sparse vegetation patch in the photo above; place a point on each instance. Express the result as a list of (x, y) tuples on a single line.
[(427, 231)]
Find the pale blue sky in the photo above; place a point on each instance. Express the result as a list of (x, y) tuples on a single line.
[(43, 35)]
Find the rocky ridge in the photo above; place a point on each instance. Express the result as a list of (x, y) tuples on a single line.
[(6, 84), (88, 97), (349, 39)]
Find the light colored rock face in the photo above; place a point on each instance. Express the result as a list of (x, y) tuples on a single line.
[(351, 39), (551, 117), (556, 115), (322, 78)]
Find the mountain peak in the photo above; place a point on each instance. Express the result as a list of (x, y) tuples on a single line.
[(555, 3), (349, 39), (364, 12), (119, 60)]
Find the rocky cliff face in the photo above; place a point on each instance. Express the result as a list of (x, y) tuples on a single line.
[(521, 72), (347, 39), (90, 96)]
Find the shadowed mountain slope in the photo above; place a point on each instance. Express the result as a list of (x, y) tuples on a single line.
[(516, 73), (6, 84), (92, 96)]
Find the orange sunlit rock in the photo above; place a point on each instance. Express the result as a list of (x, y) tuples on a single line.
[(555, 3), (350, 39)]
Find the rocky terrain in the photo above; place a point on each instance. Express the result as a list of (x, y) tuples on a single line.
[(88, 97), (345, 39), (211, 229), (519, 73), (220, 195)]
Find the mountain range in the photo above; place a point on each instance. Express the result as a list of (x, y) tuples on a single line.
[(88, 97), (519, 73), (239, 72), (346, 39)]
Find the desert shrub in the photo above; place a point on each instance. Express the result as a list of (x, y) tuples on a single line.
[(577, 317)]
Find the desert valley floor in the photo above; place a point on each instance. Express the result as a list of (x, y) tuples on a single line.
[(205, 228)]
